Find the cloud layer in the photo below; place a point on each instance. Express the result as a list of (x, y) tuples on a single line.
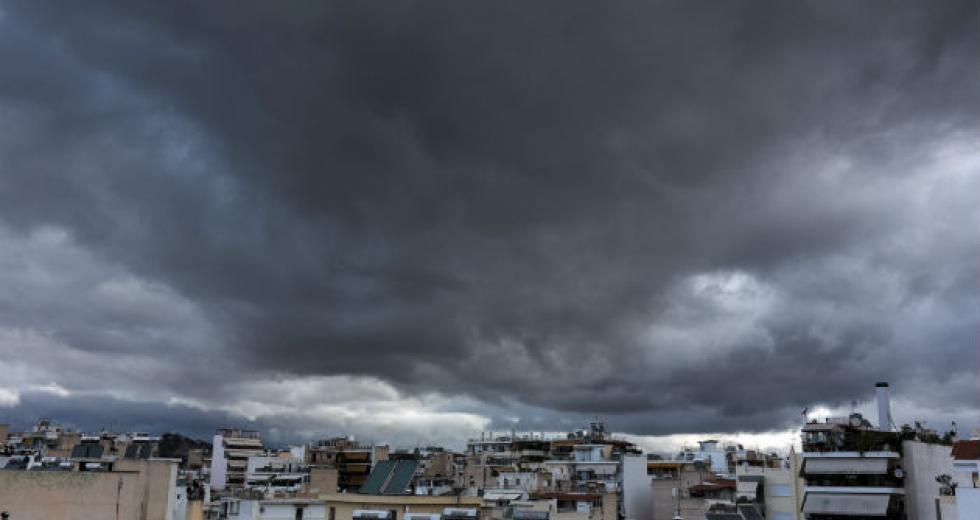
[(681, 219)]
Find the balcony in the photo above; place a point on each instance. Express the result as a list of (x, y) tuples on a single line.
[(832, 505), (854, 490), (855, 481), (239, 433), (356, 468), (238, 442), (346, 457)]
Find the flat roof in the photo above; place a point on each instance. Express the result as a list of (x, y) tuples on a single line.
[(354, 498), (583, 462)]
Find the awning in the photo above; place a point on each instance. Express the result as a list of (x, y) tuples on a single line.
[(288, 478), (240, 454), (460, 513), (421, 516), (845, 504), (747, 490), (862, 466), (496, 495)]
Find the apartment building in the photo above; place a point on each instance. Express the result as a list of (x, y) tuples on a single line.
[(100, 489), (231, 449), (852, 469), (351, 506), (959, 497), (592, 469), (856, 469), (669, 482), (922, 463), (273, 509), (352, 460), (438, 472), (558, 505), (45, 438), (275, 475), (768, 492)]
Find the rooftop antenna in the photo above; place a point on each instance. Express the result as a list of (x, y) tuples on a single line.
[(805, 410), (854, 405)]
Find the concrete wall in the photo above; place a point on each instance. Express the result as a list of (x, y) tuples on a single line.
[(795, 466), (147, 493), (219, 466), (440, 465), (194, 511), (195, 459), (637, 491), (923, 463), (777, 479), (481, 476), (610, 507), (322, 480), (947, 508), (664, 502), (180, 505), (257, 510), (967, 503), (526, 481), (344, 504), (379, 453), (288, 512)]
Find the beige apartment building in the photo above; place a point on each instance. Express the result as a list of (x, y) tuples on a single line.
[(143, 489), (671, 481), (777, 490), (352, 460)]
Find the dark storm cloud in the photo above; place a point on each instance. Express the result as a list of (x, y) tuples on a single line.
[(87, 414), (710, 215)]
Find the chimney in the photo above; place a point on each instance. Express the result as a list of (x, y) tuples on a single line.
[(884, 407)]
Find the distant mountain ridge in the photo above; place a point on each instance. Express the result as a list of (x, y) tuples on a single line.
[(176, 446)]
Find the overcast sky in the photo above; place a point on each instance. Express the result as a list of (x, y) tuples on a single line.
[(410, 221)]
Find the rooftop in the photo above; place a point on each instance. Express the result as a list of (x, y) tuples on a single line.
[(966, 450)]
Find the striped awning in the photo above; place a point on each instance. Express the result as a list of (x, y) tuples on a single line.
[(845, 504), (850, 466)]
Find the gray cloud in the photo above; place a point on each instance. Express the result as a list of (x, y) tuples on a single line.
[(683, 219)]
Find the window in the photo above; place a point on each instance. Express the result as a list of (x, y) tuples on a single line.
[(299, 513), (333, 514), (781, 490), (781, 516)]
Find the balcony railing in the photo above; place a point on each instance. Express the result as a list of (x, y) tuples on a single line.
[(885, 481)]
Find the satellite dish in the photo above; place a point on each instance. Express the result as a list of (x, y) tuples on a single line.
[(899, 473)]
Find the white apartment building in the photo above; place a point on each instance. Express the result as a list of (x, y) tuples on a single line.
[(231, 449), (776, 490), (275, 474)]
